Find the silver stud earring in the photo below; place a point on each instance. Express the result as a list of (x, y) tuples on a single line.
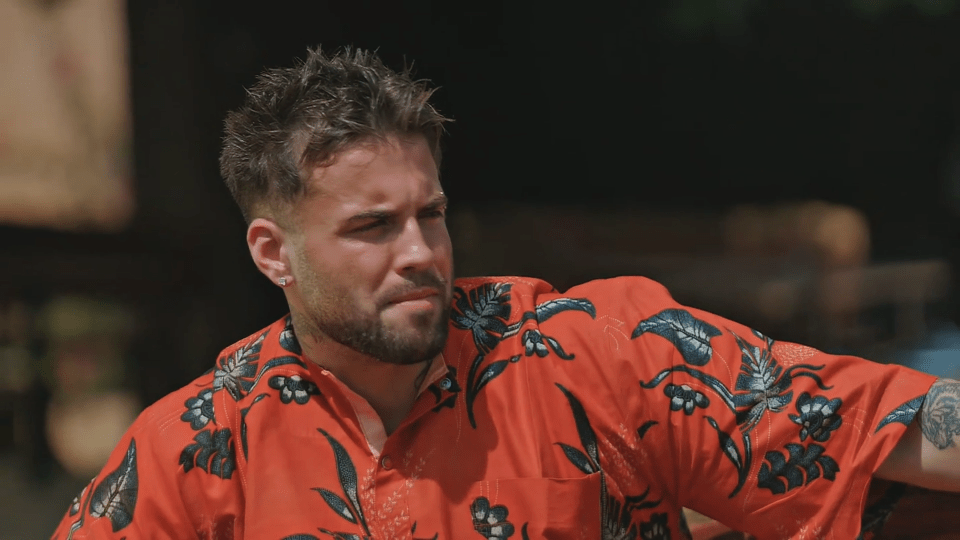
[(282, 282)]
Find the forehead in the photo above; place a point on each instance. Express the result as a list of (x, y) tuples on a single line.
[(392, 169)]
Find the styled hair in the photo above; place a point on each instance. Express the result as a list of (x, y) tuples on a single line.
[(303, 116)]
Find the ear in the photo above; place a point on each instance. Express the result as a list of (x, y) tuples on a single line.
[(267, 243)]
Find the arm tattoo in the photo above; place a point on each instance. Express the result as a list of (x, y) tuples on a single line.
[(940, 415)]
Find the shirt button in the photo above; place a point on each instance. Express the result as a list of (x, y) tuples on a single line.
[(445, 383), (386, 462)]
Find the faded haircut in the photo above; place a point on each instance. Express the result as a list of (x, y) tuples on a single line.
[(301, 117)]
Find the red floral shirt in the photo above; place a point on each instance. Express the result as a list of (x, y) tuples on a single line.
[(595, 413)]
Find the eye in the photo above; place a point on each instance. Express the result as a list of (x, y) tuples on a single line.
[(434, 213), (370, 226)]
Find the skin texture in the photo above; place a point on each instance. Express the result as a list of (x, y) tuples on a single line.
[(369, 268), (940, 416), (928, 454)]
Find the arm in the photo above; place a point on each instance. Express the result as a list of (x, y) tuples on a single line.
[(768, 436), (928, 454)]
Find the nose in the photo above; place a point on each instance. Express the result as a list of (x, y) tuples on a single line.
[(413, 250)]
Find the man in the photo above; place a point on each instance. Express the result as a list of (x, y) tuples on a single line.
[(395, 402)]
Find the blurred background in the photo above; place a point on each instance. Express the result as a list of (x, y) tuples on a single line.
[(793, 166)]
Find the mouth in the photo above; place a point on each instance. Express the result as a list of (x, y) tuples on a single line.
[(421, 293)]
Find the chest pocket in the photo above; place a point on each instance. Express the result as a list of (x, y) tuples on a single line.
[(515, 508)]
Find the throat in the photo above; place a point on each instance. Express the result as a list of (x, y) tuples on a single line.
[(394, 404), (392, 418), (390, 390)]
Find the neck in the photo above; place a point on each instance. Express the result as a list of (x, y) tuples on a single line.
[(391, 389)]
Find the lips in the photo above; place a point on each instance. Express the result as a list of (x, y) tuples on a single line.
[(416, 294)]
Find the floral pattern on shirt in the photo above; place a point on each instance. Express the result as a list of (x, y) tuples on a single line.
[(817, 416), (212, 451), (347, 506), (762, 386), (617, 515), (115, 498), (288, 337), (685, 398), (294, 388), (581, 394), (200, 410), (485, 311), (237, 371), (904, 414), (243, 424), (689, 335), (490, 522), (798, 467)]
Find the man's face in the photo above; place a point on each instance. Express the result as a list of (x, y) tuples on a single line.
[(370, 253)]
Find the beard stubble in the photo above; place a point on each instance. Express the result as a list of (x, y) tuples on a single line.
[(331, 314)]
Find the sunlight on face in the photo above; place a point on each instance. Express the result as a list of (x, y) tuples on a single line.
[(372, 257)]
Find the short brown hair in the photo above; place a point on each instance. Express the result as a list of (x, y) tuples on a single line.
[(305, 115)]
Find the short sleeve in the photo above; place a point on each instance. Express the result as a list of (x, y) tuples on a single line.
[(768, 437)]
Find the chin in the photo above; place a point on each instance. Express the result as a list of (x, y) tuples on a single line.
[(423, 346)]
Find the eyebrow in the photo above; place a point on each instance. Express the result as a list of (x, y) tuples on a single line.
[(438, 202), (373, 215), (369, 215)]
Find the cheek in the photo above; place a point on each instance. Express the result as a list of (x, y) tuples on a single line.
[(310, 262), (365, 267), (340, 258)]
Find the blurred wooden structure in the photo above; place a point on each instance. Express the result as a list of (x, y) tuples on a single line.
[(799, 272), (65, 122)]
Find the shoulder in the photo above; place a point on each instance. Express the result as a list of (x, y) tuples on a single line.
[(634, 287), (634, 291), (208, 400), (626, 296), (175, 465), (525, 316)]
